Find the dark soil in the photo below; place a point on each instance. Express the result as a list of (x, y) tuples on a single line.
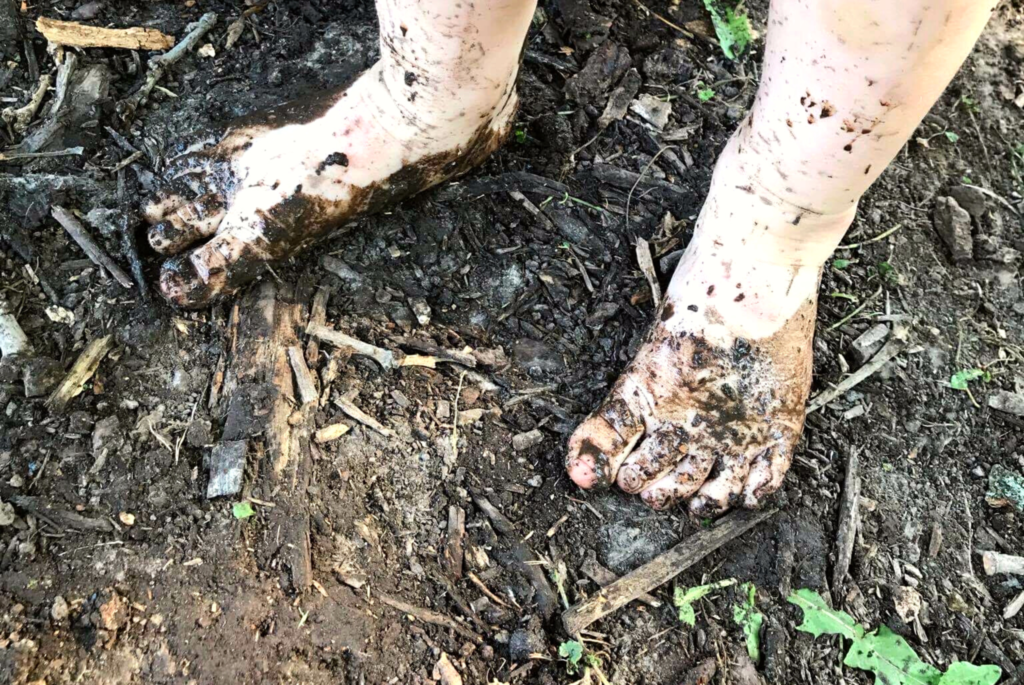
[(181, 595)]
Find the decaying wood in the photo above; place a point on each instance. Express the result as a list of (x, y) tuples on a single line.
[(303, 378), (81, 371), (849, 519), (83, 36), (524, 560), (386, 358), (81, 236), (994, 562), (262, 395), (592, 569), (660, 570), (332, 432), (354, 412), (432, 617)]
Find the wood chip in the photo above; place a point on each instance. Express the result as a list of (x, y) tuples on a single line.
[(994, 562), (332, 432), (82, 370), (83, 36), (1014, 607), (386, 358), (453, 553), (303, 378), (849, 519), (660, 570)]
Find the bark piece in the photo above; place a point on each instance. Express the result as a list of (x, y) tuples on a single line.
[(83, 36), (849, 519), (81, 371), (953, 225), (660, 570), (332, 432), (605, 67), (227, 466), (453, 553), (303, 378), (618, 101)]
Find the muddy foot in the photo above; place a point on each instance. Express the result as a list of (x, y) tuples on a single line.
[(712, 406), (276, 183)]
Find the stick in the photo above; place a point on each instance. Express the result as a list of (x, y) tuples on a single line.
[(896, 344), (77, 231), (303, 379), (432, 617), (158, 65), (20, 118), (82, 36), (603, 576), (452, 553), (660, 570), (994, 562), (386, 358), (354, 412), (82, 370), (643, 258), (849, 519)]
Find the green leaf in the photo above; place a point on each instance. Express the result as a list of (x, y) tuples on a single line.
[(960, 379), (684, 598), (891, 659), (840, 264), (705, 94), (520, 135), (952, 137), (750, 619), (820, 620), (572, 652), (731, 26), (242, 510), (963, 673)]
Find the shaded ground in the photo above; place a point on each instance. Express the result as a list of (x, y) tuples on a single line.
[(181, 594)]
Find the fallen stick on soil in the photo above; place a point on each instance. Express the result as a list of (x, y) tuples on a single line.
[(432, 617), (331, 432), (77, 231), (386, 358), (897, 343), (646, 262), (83, 36), (303, 378), (994, 562), (158, 65), (592, 569), (452, 553), (19, 119), (58, 518), (849, 519), (354, 412), (18, 156), (660, 570), (525, 560), (81, 371)]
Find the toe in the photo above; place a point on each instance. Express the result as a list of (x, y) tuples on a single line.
[(162, 204), (187, 224), (722, 489), (766, 473), (602, 442), (215, 269), (681, 482), (657, 455)]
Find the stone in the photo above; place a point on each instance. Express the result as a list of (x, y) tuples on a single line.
[(107, 435), (526, 440), (652, 109), (527, 641), (227, 464), (908, 603), (1009, 402), (40, 375), (6, 514), (953, 225), (59, 609), (971, 199)]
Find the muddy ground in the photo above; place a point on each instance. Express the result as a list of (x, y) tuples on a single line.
[(116, 568)]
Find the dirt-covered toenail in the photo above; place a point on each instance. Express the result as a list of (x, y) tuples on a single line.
[(181, 284), (582, 472), (630, 479)]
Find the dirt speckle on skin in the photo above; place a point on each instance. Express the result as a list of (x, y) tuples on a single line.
[(182, 596)]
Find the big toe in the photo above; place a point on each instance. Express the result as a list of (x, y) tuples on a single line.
[(215, 269), (602, 442)]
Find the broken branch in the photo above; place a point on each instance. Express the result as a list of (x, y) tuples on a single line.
[(82, 370), (81, 236), (82, 36)]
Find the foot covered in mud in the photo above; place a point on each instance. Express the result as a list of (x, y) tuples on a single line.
[(278, 182), (712, 406)]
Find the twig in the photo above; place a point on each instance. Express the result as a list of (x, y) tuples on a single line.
[(486, 590), (855, 312), (158, 65), (849, 519), (994, 562), (432, 617), (896, 344), (19, 119), (880, 236), (665, 21), (386, 358), (629, 198), (354, 412), (18, 156), (660, 570), (303, 378), (77, 231)]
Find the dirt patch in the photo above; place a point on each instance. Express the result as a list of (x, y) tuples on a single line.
[(188, 592)]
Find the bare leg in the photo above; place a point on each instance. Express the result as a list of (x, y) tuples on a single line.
[(438, 102), (713, 405)]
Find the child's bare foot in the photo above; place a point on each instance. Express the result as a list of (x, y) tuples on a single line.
[(434, 106), (712, 406)]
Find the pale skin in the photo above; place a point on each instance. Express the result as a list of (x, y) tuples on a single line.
[(710, 410)]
